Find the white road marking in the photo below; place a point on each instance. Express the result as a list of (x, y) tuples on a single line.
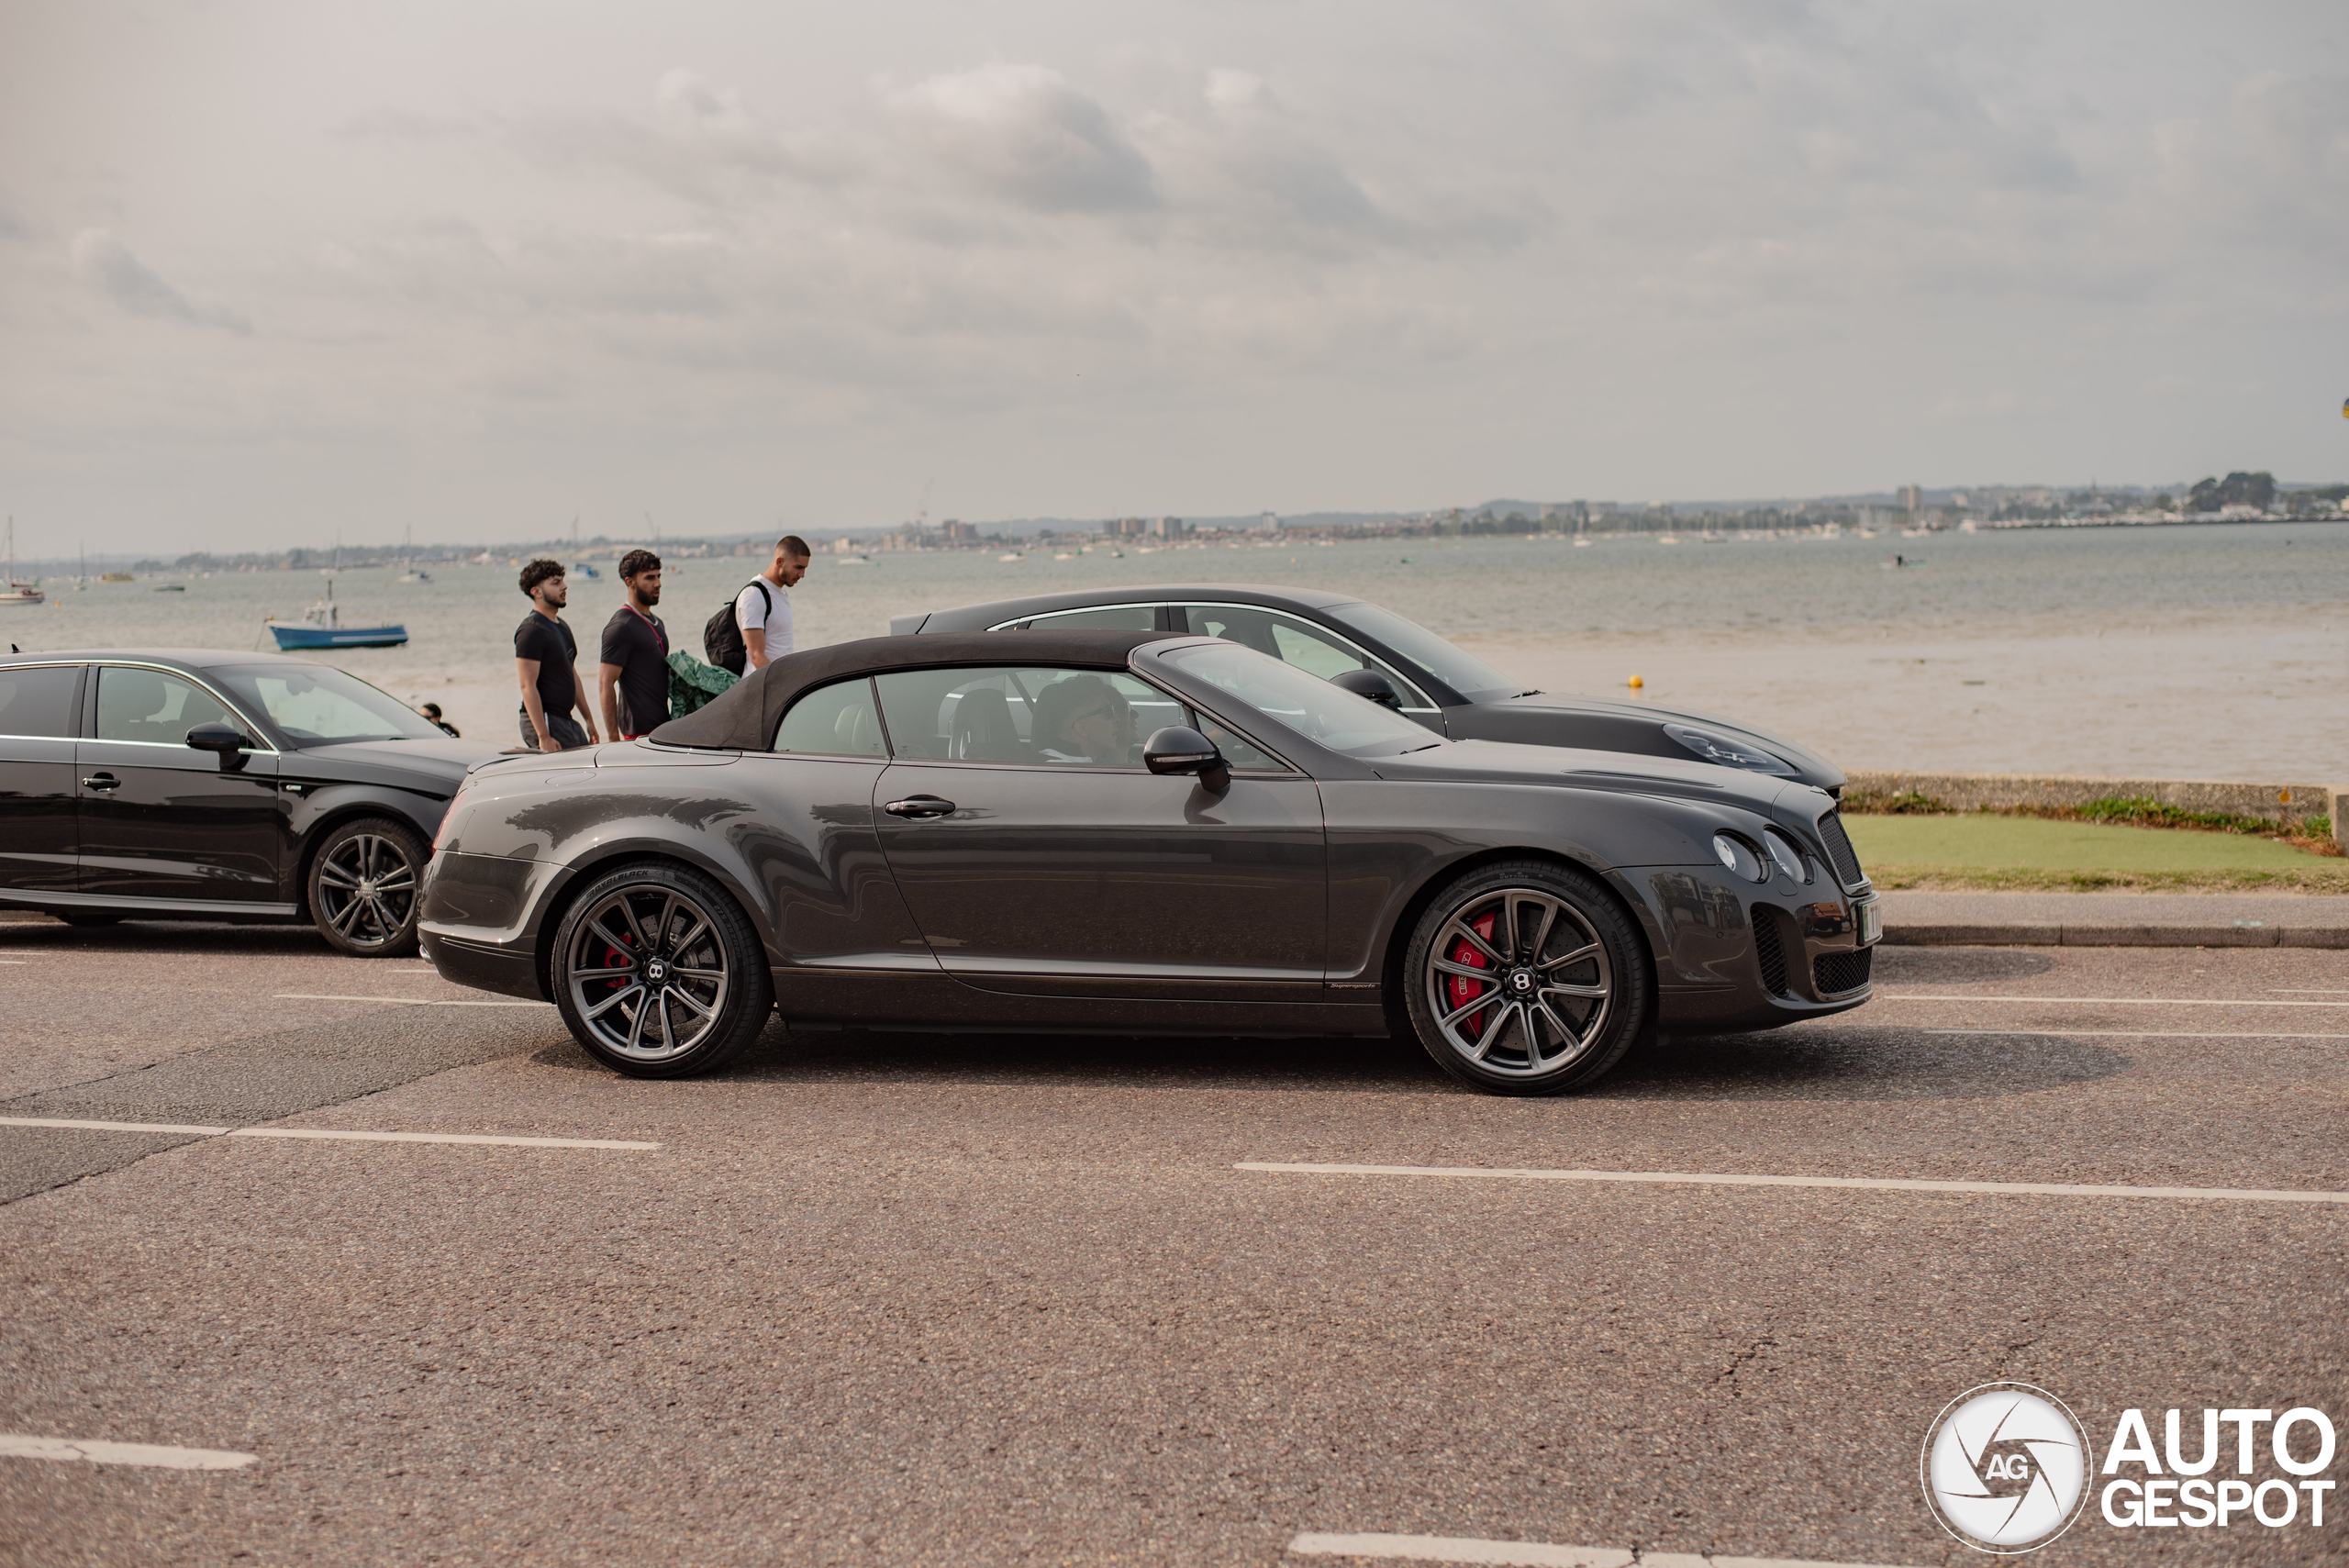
[(91, 1451), (1526, 1553), (440, 1137), (356, 1136), (111, 1126), (2312, 990), (2153, 1034), (16, 961), (1886, 1183), (2110, 1001), (398, 1001)]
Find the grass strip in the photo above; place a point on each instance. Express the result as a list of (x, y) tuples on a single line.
[(2319, 878), (2311, 835)]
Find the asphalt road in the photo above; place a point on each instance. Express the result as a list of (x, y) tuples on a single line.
[(942, 1300)]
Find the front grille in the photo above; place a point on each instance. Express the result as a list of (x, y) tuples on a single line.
[(1769, 952), (1836, 973), (1839, 851)]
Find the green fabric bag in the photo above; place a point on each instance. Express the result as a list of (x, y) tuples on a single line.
[(692, 682)]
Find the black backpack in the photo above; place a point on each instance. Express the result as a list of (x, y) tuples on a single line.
[(721, 637)]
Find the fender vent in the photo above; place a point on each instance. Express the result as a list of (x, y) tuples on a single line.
[(1769, 950), (1839, 972)]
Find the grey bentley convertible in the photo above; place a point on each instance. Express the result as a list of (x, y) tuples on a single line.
[(1136, 832)]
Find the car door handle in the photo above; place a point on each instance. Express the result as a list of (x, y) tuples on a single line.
[(920, 805), (102, 781)]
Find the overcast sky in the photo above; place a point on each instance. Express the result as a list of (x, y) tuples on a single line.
[(271, 270)]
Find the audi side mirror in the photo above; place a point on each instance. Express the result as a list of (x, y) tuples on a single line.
[(1176, 749), (1372, 685), (230, 742)]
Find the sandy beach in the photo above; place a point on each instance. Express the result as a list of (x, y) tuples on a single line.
[(2206, 652)]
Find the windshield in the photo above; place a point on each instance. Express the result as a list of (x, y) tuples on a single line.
[(316, 706), (1472, 678), (1331, 715)]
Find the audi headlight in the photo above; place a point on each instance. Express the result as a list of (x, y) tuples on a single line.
[(1724, 752), (1740, 857)]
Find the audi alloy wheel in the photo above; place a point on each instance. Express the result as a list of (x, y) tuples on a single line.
[(363, 887)]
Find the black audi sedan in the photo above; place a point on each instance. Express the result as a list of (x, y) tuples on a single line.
[(1445, 688), (177, 785), (1130, 833)]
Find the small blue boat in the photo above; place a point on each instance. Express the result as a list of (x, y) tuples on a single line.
[(323, 627), (290, 637)]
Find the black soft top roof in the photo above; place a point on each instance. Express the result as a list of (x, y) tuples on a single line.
[(744, 719)]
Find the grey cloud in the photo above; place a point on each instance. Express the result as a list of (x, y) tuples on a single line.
[(108, 264), (1021, 133)]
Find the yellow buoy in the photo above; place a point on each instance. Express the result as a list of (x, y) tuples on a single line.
[(1635, 683)]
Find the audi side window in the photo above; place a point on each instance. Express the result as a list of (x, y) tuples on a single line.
[(838, 720), (148, 705), (39, 703)]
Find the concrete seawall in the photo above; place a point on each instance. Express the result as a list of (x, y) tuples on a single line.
[(2277, 803)]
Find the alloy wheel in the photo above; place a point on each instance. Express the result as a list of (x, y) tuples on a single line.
[(1519, 983), (647, 972), (367, 888)]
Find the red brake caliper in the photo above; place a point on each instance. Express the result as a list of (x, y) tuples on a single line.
[(1458, 989), (615, 959)]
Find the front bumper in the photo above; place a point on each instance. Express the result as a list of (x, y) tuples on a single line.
[(1734, 956)]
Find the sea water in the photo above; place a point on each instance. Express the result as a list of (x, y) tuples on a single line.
[(2187, 651)]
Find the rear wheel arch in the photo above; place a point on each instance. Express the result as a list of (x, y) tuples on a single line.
[(577, 876)]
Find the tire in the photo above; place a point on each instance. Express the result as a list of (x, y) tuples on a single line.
[(89, 917), (1552, 1021), (366, 883), (658, 972)]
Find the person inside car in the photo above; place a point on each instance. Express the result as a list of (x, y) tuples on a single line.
[(1083, 720)]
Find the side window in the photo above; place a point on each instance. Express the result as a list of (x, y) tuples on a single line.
[(961, 716), (838, 720), (1081, 718), (148, 705), (1109, 618), (1293, 641), (37, 702)]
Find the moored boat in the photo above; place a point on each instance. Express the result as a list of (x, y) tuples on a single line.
[(321, 627)]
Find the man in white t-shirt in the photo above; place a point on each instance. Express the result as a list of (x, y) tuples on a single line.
[(763, 609)]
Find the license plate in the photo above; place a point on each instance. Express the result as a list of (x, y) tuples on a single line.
[(1871, 916)]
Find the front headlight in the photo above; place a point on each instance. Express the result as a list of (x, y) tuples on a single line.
[(1787, 853), (1725, 752), (1741, 858)]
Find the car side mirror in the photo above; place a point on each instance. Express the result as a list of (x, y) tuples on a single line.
[(1176, 749), (227, 739), (1372, 685)]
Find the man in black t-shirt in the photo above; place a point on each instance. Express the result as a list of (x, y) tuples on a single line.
[(635, 672), (544, 654)]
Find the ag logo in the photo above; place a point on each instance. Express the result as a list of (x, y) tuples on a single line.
[(2006, 1467)]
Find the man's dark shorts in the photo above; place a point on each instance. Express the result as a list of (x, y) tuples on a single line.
[(562, 725)]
